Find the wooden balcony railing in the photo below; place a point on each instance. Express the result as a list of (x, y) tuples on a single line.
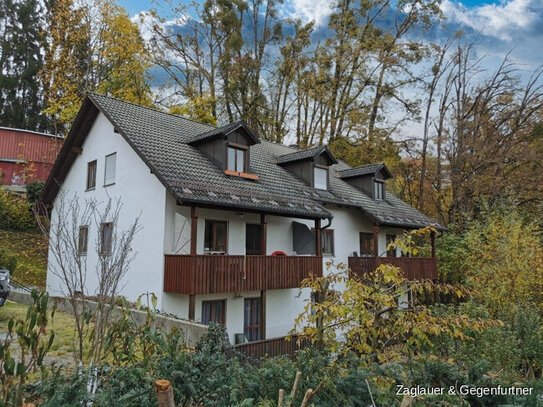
[(270, 347), (414, 268), (208, 274)]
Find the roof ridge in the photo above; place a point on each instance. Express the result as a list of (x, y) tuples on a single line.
[(90, 93)]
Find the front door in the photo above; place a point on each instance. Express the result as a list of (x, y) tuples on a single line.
[(253, 233)]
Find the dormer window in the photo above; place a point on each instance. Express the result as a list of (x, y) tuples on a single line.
[(237, 157), (320, 177), (378, 189)]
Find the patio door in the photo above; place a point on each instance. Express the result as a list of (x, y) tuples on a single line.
[(252, 324), (253, 242)]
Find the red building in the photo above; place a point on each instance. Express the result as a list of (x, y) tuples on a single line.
[(26, 156)]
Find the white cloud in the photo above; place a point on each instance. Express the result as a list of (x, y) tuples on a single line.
[(505, 21), (311, 10)]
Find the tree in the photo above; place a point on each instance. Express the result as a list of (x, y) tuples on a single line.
[(503, 261), (91, 47), (21, 59), (366, 317), (69, 264)]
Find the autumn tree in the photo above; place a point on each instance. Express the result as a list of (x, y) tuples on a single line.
[(91, 46)]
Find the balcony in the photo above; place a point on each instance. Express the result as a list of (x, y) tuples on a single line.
[(414, 268), (208, 274)]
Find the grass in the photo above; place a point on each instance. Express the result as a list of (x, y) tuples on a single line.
[(30, 252), (62, 324)]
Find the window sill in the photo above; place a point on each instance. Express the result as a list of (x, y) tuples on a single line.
[(90, 189), (108, 185), (246, 175)]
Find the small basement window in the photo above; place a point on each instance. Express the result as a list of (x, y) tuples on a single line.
[(320, 177), (106, 238), (237, 159), (378, 190), (82, 244)]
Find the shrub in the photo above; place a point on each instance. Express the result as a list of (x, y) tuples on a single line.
[(33, 191), (15, 212)]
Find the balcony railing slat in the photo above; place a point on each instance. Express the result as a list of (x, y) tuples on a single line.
[(206, 274)]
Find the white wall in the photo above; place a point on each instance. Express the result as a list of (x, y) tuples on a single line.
[(141, 195)]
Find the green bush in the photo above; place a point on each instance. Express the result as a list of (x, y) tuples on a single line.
[(15, 212), (33, 191)]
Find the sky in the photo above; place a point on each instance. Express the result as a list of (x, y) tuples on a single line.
[(498, 26)]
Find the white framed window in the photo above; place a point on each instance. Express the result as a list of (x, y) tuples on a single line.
[(378, 187), (83, 240), (320, 176), (109, 172), (91, 175), (236, 159)]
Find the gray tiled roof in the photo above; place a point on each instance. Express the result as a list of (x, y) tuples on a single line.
[(360, 171), (303, 155), (227, 129), (162, 141)]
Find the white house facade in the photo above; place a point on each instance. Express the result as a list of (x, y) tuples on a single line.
[(230, 224)]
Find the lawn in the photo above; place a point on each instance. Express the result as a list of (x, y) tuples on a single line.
[(30, 251), (62, 324)]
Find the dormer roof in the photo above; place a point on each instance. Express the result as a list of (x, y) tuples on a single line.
[(240, 126), (310, 153), (364, 170)]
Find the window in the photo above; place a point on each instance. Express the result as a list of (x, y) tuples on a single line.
[(328, 242), (214, 311), (109, 172), (215, 236), (366, 244), (391, 252), (106, 238), (253, 239), (236, 159), (91, 175), (378, 187), (252, 322), (320, 176), (83, 240)]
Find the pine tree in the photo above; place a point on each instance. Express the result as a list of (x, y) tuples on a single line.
[(21, 59)]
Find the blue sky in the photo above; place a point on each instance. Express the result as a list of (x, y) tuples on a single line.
[(498, 26)]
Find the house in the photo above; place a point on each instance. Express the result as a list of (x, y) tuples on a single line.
[(26, 156), (231, 223)]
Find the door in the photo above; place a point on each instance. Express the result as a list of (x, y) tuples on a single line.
[(253, 234), (252, 324)]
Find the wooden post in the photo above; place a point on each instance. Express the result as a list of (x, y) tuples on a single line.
[(193, 229), (264, 235), (164, 393), (192, 306), (193, 241), (433, 240), (318, 245), (263, 314), (376, 241)]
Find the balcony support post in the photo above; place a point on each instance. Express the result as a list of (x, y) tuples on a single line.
[(193, 241), (263, 314), (263, 237), (318, 245), (375, 241), (433, 240)]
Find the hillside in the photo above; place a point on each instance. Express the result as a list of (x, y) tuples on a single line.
[(30, 251)]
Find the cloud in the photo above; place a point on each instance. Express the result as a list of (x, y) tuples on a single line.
[(311, 10), (508, 21)]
